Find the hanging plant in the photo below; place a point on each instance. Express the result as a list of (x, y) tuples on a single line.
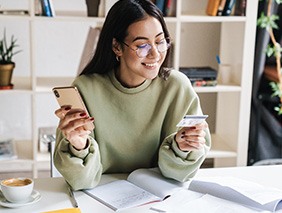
[(268, 22)]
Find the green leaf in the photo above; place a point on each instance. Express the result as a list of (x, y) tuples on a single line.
[(267, 21)]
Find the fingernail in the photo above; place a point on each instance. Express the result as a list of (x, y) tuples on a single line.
[(82, 114)]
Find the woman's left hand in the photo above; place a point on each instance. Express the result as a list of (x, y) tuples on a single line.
[(191, 138)]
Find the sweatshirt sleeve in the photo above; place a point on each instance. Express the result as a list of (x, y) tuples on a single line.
[(81, 169), (173, 162), (180, 165)]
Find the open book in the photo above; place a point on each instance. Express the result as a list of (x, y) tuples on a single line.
[(222, 194), (141, 187)]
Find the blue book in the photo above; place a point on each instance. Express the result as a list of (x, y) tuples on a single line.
[(46, 8), (161, 5), (228, 7)]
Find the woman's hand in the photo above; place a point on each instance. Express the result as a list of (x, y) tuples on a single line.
[(191, 138), (72, 124)]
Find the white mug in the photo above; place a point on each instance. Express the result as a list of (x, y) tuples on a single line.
[(17, 190)]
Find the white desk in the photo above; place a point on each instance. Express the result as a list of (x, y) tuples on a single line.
[(55, 196)]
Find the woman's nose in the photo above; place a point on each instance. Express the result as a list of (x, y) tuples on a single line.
[(154, 52)]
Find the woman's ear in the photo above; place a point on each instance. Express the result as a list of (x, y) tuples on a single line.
[(116, 47)]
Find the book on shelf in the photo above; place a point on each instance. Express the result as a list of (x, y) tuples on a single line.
[(240, 7), (212, 7), (228, 7), (52, 9), (203, 82), (220, 7), (160, 4), (168, 7), (47, 8), (200, 76), (142, 186), (7, 149)]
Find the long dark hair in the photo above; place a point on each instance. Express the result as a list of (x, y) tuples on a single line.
[(122, 14)]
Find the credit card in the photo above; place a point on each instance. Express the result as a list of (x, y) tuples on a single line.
[(191, 120)]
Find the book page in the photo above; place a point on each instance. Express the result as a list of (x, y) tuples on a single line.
[(239, 191), (153, 181), (121, 194), (200, 203)]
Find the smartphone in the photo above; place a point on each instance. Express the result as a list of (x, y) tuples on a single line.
[(70, 96), (191, 120)]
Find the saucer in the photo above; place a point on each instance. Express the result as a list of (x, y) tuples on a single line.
[(35, 197)]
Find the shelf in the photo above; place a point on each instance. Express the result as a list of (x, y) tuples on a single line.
[(45, 84), (207, 19), (197, 39), (24, 160), (17, 165), (15, 17), (65, 17), (218, 88), (21, 85)]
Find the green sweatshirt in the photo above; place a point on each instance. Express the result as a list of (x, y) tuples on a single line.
[(134, 128)]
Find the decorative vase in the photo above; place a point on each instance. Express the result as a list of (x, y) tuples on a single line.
[(92, 7), (6, 72)]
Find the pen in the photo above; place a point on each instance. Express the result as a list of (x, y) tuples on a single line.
[(218, 59), (72, 198)]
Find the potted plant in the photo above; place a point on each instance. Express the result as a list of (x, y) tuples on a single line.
[(7, 65), (268, 21)]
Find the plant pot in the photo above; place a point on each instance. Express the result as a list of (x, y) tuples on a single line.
[(6, 72)]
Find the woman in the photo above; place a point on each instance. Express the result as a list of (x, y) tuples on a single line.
[(135, 103)]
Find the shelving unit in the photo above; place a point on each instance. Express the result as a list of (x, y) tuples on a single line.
[(52, 48)]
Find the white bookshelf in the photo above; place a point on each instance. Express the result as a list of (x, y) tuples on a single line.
[(52, 47)]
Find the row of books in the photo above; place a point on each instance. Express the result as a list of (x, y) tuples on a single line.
[(226, 7), (94, 7)]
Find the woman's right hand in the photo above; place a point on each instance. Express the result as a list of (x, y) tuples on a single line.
[(72, 124)]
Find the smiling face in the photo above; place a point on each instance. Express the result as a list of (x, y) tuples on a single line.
[(133, 70)]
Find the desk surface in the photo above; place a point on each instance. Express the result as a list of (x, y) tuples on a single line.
[(55, 195)]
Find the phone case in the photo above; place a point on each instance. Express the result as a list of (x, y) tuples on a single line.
[(70, 96)]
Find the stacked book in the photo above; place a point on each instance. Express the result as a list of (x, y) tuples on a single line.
[(201, 76)]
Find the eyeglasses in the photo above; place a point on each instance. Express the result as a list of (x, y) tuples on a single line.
[(143, 50)]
